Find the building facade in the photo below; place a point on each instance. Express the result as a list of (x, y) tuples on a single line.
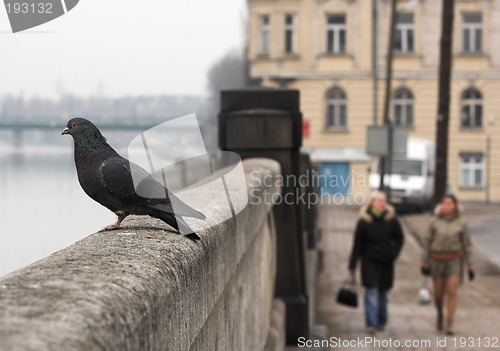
[(329, 50)]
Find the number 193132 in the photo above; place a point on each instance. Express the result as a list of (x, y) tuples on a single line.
[(24, 7), (472, 342)]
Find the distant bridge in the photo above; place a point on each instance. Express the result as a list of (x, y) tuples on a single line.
[(44, 125), (20, 126)]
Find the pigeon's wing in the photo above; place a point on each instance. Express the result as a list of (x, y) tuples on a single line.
[(179, 207), (132, 184)]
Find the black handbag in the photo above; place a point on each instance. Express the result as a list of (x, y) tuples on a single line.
[(348, 294)]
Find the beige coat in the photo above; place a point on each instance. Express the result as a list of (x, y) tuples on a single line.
[(447, 235)]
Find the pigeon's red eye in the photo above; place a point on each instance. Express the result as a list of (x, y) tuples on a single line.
[(73, 125)]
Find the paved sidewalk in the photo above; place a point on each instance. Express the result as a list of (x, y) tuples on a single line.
[(477, 318)]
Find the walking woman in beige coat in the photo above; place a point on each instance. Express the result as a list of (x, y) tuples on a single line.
[(447, 248)]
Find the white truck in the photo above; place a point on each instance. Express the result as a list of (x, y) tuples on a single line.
[(411, 181)]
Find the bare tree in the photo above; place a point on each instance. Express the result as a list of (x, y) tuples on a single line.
[(231, 71)]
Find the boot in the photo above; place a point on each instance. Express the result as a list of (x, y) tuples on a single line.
[(449, 326), (439, 323)]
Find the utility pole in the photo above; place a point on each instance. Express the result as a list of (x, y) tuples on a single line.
[(442, 123), (375, 59), (385, 161)]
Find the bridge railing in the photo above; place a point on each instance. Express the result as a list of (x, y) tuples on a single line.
[(145, 288)]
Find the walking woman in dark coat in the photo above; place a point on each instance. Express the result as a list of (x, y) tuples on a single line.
[(378, 239)]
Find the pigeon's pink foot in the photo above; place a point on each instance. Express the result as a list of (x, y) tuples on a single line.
[(111, 227), (121, 216)]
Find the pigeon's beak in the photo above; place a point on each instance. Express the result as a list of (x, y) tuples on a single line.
[(65, 131)]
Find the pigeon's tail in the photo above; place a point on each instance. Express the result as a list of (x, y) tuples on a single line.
[(179, 224), (185, 230), (199, 215)]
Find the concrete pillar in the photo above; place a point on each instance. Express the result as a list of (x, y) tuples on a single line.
[(310, 189), (268, 123)]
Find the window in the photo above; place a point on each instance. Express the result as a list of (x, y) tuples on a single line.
[(472, 32), (336, 109), (472, 109), (403, 108), (264, 35), (471, 169), (404, 35), (290, 34), (335, 34)]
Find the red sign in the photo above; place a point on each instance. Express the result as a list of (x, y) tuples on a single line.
[(306, 128)]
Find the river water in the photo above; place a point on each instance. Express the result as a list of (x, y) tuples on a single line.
[(42, 206)]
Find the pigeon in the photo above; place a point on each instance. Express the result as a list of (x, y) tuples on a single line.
[(108, 178)]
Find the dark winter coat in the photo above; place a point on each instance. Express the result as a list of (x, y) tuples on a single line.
[(377, 242)]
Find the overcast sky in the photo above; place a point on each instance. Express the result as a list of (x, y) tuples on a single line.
[(119, 47)]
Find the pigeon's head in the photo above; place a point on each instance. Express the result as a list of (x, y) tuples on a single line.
[(77, 126), (80, 128)]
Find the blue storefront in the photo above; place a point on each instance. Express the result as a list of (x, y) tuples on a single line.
[(334, 178), (334, 168)]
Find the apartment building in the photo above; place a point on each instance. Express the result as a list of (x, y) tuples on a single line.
[(327, 50)]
